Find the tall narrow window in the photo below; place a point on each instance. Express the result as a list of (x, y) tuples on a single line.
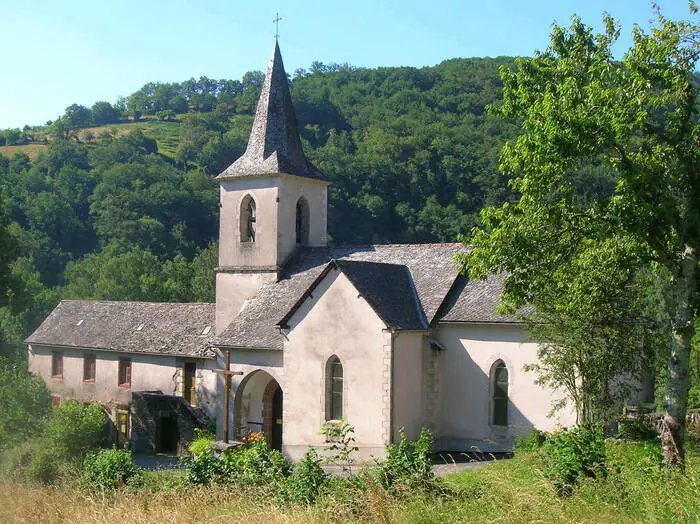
[(500, 394), (57, 364), (334, 389), (89, 362), (247, 220), (125, 372), (302, 221)]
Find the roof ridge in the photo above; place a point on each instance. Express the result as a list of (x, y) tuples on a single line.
[(428, 244), (105, 301)]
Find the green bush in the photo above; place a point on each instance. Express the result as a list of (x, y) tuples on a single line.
[(74, 430), (255, 465), (203, 468), (56, 455), (110, 469), (307, 480), (25, 405), (261, 465), (530, 442), (635, 429), (202, 442), (33, 461), (408, 464), (573, 454)]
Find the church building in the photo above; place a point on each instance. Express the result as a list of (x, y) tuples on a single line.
[(385, 337)]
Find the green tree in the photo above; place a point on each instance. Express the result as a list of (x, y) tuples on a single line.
[(639, 119), (76, 117), (25, 404), (103, 113)]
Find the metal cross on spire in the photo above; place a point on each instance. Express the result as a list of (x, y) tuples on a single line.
[(277, 26)]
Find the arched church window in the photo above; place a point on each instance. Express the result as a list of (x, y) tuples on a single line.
[(247, 221), (334, 389), (302, 221), (499, 377)]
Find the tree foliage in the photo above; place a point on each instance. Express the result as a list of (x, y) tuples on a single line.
[(638, 119)]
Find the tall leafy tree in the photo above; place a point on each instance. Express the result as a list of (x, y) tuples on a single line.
[(637, 117)]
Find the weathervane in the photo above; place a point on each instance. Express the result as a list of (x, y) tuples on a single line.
[(277, 26)]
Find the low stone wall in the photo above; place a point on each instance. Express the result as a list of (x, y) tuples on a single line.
[(656, 420), (163, 423)]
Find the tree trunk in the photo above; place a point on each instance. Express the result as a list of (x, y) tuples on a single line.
[(672, 444)]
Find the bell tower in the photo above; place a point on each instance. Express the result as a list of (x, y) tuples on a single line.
[(272, 200)]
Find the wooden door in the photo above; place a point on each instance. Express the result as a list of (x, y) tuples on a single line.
[(190, 390), (277, 419)]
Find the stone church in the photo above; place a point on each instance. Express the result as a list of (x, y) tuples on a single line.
[(383, 336)]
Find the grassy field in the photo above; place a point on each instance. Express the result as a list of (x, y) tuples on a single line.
[(31, 150), (166, 135), (506, 491)]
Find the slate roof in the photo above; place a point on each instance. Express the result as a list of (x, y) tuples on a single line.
[(476, 301), (387, 288), (431, 268), (168, 328), (274, 145)]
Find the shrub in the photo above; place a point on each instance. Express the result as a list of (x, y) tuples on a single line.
[(253, 465), (202, 441), (340, 442), (530, 442), (260, 465), (637, 428), (572, 454), (25, 405), (34, 462), (74, 430), (110, 469), (408, 464), (307, 480), (203, 468)]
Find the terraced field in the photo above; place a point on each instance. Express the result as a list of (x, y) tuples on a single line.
[(166, 135)]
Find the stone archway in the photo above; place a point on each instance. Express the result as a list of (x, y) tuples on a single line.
[(257, 407)]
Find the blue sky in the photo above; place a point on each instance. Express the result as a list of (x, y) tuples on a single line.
[(55, 53)]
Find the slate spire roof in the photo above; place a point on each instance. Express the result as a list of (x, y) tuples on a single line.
[(274, 145)]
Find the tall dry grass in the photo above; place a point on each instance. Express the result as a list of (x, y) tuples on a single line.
[(506, 491)]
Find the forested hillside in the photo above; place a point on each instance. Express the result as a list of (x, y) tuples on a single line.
[(104, 213)]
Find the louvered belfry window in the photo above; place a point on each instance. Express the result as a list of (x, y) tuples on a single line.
[(334, 389), (500, 394), (248, 219)]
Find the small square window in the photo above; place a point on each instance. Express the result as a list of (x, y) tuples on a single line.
[(57, 364), (125, 372), (89, 364)]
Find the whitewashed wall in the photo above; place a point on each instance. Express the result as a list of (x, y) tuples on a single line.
[(466, 389), (336, 321), (148, 373)]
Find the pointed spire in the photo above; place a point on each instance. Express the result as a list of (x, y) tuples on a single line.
[(274, 145)]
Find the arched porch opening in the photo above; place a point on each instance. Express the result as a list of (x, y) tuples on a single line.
[(257, 408)]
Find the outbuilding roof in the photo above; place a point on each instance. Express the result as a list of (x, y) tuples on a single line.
[(134, 327)]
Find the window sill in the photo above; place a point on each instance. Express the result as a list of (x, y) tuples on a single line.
[(57, 377), (88, 381), (125, 386)]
